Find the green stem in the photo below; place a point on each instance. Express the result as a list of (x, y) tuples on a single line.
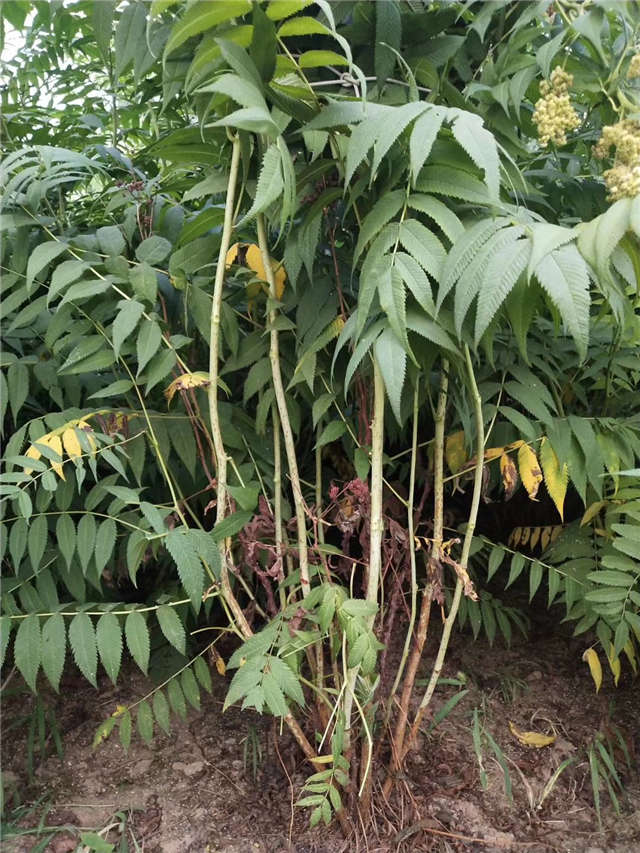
[(375, 536), (277, 497), (214, 346), (466, 547), (281, 401), (412, 555)]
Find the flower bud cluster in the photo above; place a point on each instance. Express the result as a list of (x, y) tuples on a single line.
[(623, 180), (553, 113), (633, 70)]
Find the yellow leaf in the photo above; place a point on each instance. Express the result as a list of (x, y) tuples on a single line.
[(221, 665), (103, 732), (592, 511), (526, 533), (254, 262), (535, 537), (187, 380), (614, 664), (514, 445), (119, 711), (455, 452), (32, 453), (492, 453), (591, 657), (530, 472), (556, 478), (71, 443), (630, 652), (545, 537), (514, 538), (232, 254), (509, 475), (533, 739), (55, 443)]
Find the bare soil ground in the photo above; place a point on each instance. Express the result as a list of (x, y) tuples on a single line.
[(199, 791)]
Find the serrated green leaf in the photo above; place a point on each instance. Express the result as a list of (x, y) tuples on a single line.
[(161, 710), (332, 432), (147, 343), (82, 640), (145, 721), (109, 642), (176, 698), (480, 144), (181, 546), (423, 136), (202, 673), (54, 646), (190, 688), (125, 730), (110, 240), (86, 540), (270, 183), (392, 360), (126, 320), (27, 649), (153, 250), (104, 544), (172, 627), (41, 256), (563, 274), (137, 635), (231, 525), (37, 541)]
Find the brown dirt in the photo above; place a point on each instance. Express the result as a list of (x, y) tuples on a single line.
[(196, 791)]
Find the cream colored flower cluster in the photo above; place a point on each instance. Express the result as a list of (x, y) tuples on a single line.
[(633, 70), (623, 179), (553, 113)]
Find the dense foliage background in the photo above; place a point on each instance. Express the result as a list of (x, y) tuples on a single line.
[(294, 330)]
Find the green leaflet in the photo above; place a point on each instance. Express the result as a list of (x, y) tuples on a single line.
[(126, 320), (463, 252), (392, 360), (241, 90), (147, 343), (201, 17), (41, 256), (110, 240), (86, 540), (137, 636), (176, 698), (145, 721), (27, 649), (270, 183), (181, 545), (502, 273), (82, 640), (54, 644), (424, 246), (172, 627), (384, 210), (153, 250), (436, 210), (563, 274), (480, 145), (161, 710), (37, 541), (470, 282), (391, 294), (388, 35), (104, 543), (109, 643), (129, 35)]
